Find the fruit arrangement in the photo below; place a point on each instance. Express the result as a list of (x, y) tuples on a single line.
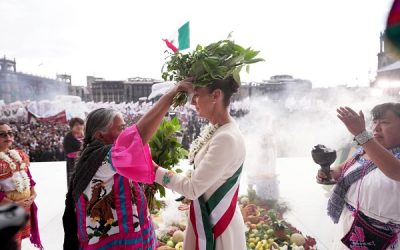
[(172, 238), (268, 230)]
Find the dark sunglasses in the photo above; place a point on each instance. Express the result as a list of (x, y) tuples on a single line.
[(5, 134)]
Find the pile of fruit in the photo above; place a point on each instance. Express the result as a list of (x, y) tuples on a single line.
[(268, 230), (172, 238)]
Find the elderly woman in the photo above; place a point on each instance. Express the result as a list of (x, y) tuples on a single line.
[(17, 185), (106, 206), (366, 199)]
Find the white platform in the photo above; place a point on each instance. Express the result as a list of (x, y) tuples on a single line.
[(306, 199)]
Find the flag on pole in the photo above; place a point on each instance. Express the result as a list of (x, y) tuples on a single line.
[(180, 40)]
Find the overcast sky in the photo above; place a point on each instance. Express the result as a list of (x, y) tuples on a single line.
[(329, 42)]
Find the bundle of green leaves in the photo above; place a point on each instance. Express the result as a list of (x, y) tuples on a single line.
[(216, 61), (166, 151)]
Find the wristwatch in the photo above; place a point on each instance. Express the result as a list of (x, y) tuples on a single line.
[(363, 137)]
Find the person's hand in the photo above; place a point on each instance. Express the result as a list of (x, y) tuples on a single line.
[(183, 207), (25, 203), (184, 86), (155, 166), (321, 176), (31, 199), (354, 122)]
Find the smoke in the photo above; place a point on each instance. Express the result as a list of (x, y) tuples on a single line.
[(289, 126), (171, 215)]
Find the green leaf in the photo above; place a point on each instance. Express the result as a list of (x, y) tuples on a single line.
[(178, 170), (248, 69), (256, 60), (162, 191), (215, 61), (250, 54), (236, 74)]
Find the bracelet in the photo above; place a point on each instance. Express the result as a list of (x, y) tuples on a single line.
[(363, 137)]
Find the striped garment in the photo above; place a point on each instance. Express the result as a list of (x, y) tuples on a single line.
[(112, 214), (210, 218)]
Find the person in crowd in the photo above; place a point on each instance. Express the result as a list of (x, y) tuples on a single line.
[(72, 145), (106, 207), (41, 141), (365, 202), (218, 157), (17, 185)]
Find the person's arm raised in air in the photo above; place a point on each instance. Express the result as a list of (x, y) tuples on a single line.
[(148, 124)]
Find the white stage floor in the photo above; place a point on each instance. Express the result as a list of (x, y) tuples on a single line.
[(306, 199)]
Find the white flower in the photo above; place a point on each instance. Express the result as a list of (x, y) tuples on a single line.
[(20, 178), (15, 155), (200, 141)]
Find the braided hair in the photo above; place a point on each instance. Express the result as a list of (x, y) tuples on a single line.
[(98, 120)]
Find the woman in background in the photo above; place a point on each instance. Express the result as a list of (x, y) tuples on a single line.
[(17, 185)]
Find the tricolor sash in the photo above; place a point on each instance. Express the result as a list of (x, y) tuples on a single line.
[(210, 218)]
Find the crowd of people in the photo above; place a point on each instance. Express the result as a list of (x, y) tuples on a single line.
[(43, 142)]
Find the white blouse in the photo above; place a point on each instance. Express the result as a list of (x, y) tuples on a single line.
[(379, 195)]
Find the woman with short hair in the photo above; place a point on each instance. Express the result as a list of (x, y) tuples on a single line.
[(366, 199)]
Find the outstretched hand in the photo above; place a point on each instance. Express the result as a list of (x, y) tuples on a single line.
[(354, 122), (184, 86)]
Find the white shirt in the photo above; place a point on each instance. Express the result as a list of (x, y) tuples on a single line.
[(379, 195)]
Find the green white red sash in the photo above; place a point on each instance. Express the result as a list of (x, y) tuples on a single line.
[(211, 218)]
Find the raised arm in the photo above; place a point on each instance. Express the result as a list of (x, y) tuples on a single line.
[(382, 157), (385, 160), (149, 123)]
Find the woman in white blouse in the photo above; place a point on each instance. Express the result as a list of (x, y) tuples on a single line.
[(215, 221), (366, 200)]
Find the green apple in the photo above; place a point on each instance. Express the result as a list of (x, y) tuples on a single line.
[(170, 243)]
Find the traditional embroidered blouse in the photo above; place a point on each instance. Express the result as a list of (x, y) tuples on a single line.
[(112, 211)]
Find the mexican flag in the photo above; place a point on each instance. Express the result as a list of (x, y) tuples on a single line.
[(180, 40)]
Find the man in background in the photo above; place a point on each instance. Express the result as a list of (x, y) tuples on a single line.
[(72, 145)]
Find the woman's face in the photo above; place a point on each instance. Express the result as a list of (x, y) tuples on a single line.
[(386, 130), (6, 137), (203, 101), (112, 133)]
